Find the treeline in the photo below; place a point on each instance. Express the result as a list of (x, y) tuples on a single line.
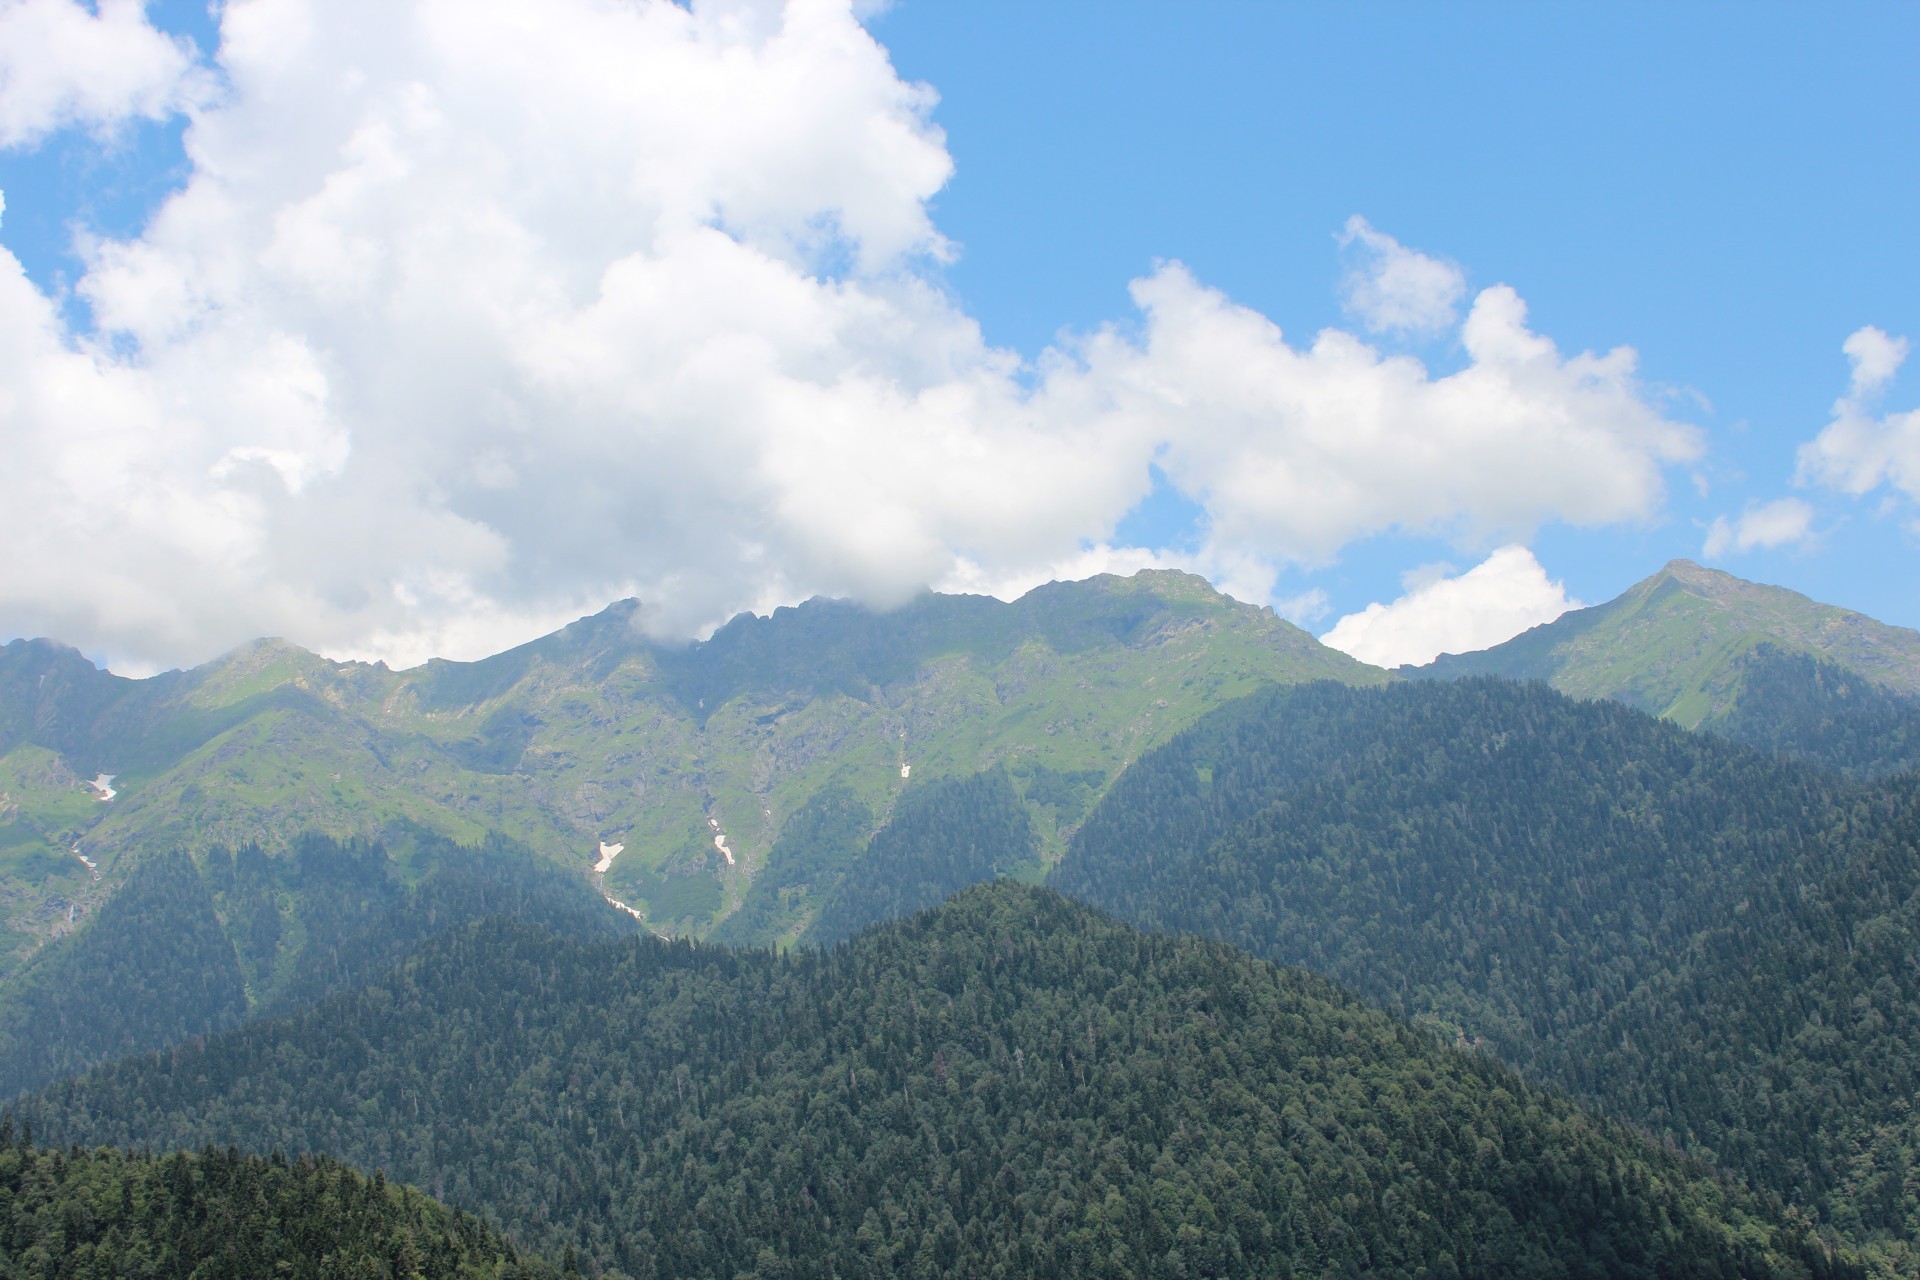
[(1704, 940), (184, 949), (102, 1214), (1010, 1085)]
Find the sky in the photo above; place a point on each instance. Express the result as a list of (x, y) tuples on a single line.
[(420, 328)]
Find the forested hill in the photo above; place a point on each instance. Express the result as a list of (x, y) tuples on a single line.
[(1702, 939), (108, 1215), (1010, 1084), (598, 735), (1758, 664), (186, 948)]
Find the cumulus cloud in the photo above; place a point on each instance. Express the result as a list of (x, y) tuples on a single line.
[(63, 64), (459, 332), (1860, 450), (1766, 525), (1495, 600), (1392, 288), (1298, 450)]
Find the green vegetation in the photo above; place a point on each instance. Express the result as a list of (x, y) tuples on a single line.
[(1700, 939), (815, 847), (1758, 664), (1008, 1085), (218, 1215), (943, 837), (596, 733), (181, 951)]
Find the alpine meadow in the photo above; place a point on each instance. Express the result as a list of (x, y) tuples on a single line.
[(825, 640)]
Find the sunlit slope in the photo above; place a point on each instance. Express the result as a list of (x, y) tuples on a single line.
[(1008, 1085), (597, 734), (1756, 663)]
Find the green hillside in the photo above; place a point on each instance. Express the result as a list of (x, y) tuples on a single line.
[(184, 949), (1007, 1085), (1704, 940), (109, 1215), (596, 734), (1756, 663)]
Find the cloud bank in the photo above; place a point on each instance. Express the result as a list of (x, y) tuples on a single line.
[(1495, 600), (458, 332)]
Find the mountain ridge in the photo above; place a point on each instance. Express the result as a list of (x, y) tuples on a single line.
[(691, 758), (1760, 664)]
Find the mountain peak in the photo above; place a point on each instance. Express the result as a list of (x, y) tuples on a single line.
[(1675, 644)]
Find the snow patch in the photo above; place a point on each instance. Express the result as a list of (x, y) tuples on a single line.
[(720, 839), (608, 852), (89, 863), (905, 769), (103, 786)]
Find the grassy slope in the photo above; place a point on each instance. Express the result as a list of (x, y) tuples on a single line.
[(597, 733), (1673, 645)]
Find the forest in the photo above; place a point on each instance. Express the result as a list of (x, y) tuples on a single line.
[(1707, 941), (1009, 1084), (189, 948), (98, 1214)]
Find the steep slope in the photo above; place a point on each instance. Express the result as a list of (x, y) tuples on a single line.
[(184, 950), (1699, 938), (690, 758), (1008, 1084), (1759, 664), (219, 1214)]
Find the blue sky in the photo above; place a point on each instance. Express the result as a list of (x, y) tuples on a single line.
[(1730, 191)]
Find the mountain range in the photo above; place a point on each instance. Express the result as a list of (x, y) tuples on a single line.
[(1588, 954), (690, 759)]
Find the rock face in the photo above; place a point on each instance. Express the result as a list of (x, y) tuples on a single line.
[(1710, 651)]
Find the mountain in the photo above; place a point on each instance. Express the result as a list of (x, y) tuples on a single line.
[(1759, 664), (184, 949), (1704, 940), (690, 758), (1008, 1084), (218, 1214)]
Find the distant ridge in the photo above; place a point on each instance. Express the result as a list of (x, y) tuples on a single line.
[(1756, 663)]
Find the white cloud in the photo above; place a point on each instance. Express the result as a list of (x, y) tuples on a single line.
[(62, 64), (519, 308), (1296, 451), (1768, 525), (1859, 451), (1392, 288), (1494, 601)]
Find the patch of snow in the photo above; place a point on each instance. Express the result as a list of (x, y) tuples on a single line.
[(90, 864), (720, 843), (608, 852), (905, 769), (103, 786)]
